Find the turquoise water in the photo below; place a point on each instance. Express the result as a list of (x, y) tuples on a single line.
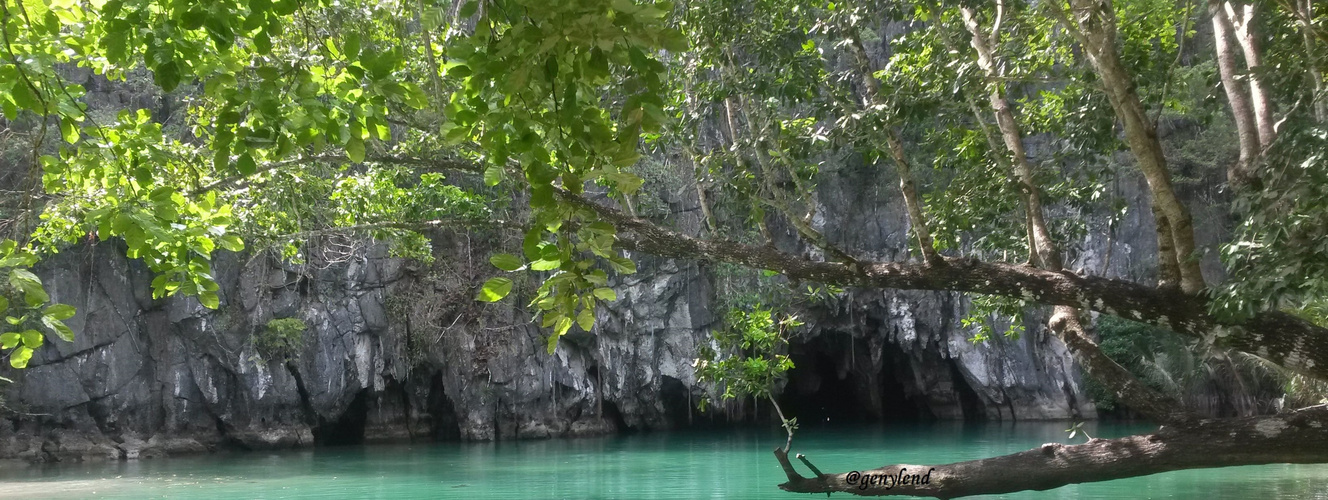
[(686, 465)]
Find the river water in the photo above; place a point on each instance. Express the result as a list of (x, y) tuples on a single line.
[(730, 464)]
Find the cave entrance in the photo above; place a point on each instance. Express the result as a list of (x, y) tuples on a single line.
[(349, 427), (676, 400), (446, 427), (834, 380)]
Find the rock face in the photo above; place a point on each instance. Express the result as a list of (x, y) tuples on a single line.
[(393, 350), (400, 350)]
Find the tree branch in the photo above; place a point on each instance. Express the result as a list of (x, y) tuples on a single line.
[(1065, 322), (1240, 173), (1290, 438), (1279, 337), (457, 222), (862, 65), (1094, 26), (436, 163)]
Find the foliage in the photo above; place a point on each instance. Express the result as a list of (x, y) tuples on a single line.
[(748, 357), (281, 339), (988, 311), (1279, 257), (1161, 359), (30, 315), (293, 95), (308, 118)]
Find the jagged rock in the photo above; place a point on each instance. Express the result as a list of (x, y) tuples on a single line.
[(400, 350)]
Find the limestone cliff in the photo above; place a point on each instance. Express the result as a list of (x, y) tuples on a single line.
[(400, 350)]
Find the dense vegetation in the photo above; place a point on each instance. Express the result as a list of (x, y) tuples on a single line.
[(292, 121)]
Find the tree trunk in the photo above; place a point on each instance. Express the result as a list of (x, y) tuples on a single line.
[(1047, 254), (1306, 12), (1296, 437), (1065, 322), (1095, 25), (1241, 109), (872, 89), (1242, 18)]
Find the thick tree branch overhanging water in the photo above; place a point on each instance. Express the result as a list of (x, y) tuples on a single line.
[(1044, 251), (1279, 337), (1094, 25), (1290, 438), (573, 108)]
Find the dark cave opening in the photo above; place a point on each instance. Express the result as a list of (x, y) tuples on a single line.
[(347, 429), (835, 381), (446, 427), (969, 402), (676, 400), (612, 414)]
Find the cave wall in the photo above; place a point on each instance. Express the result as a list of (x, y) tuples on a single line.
[(400, 350)]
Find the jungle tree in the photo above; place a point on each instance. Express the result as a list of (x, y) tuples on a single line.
[(313, 118)]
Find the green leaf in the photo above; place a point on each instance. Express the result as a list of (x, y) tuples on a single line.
[(493, 175), (232, 242), (545, 265), (585, 319), (209, 300), (622, 265), (193, 18), (9, 339), (263, 43), (69, 129), (60, 311), (468, 9), (541, 195), (530, 245), (627, 158), (31, 285), (19, 358), (32, 339), (562, 326), (506, 262), (597, 277), (606, 294), (351, 46), (245, 164), (355, 149), (167, 76), (627, 183), (495, 289), (285, 7), (59, 327), (220, 30)]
